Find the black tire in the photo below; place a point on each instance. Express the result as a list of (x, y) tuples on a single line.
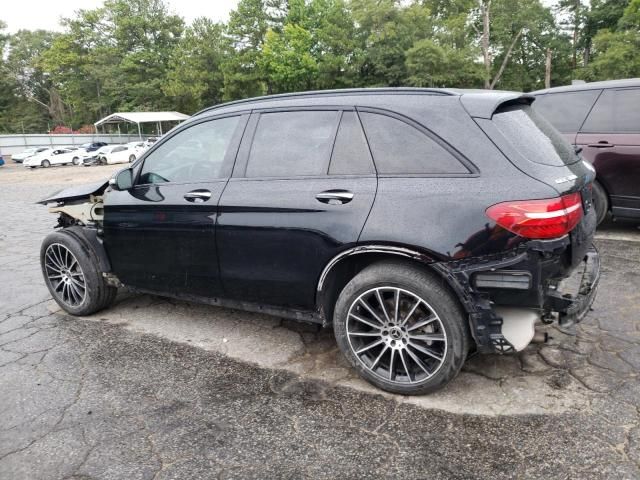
[(45, 164), (405, 277), (97, 294), (132, 158), (76, 161), (600, 202)]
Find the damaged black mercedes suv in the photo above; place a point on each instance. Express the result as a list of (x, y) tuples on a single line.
[(423, 224)]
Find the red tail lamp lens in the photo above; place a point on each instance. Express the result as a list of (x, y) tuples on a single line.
[(549, 218)]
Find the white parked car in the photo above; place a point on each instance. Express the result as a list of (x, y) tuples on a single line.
[(29, 152), (54, 156), (112, 154)]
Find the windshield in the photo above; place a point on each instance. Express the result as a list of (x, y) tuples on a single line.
[(533, 136)]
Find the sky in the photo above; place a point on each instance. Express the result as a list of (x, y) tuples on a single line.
[(45, 14)]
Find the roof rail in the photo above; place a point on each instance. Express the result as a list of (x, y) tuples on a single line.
[(342, 91)]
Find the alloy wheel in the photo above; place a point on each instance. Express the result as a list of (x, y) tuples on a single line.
[(65, 275), (396, 335)]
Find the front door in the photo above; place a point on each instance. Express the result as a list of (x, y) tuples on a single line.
[(295, 200), (160, 235), (610, 139)]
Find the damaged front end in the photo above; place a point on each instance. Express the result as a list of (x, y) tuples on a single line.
[(80, 212), (78, 206), (540, 281)]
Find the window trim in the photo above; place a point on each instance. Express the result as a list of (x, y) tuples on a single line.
[(227, 163), (242, 159), (473, 170), (602, 91), (366, 141)]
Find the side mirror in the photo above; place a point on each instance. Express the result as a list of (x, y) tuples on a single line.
[(123, 180)]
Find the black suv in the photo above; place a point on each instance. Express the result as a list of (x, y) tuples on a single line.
[(423, 224)]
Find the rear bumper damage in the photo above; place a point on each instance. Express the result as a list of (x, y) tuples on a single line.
[(540, 282)]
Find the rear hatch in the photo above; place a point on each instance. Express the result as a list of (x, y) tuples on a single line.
[(537, 149)]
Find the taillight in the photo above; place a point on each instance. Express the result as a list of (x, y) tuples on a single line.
[(549, 218)]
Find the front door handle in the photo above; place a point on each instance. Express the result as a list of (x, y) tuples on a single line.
[(197, 196), (601, 144), (335, 197)]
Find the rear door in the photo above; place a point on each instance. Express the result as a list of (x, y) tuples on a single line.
[(299, 195), (160, 234), (610, 139)]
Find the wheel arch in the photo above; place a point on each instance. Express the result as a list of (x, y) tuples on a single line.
[(89, 237), (344, 266)]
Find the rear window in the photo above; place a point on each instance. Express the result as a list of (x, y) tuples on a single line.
[(533, 136), (617, 111), (566, 111)]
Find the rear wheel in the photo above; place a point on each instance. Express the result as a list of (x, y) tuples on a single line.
[(132, 158), (401, 329), (46, 163), (600, 202), (72, 275), (76, 161)]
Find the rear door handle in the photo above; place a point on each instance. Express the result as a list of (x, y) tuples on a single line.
[(197, 196), (601, 144), (335, 197)]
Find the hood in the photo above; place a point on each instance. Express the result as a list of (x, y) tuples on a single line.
[(75, 193)]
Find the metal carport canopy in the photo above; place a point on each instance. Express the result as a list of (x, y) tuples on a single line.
[(142, 117)]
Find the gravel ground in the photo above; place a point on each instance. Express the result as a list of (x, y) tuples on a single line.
[(154, 388)]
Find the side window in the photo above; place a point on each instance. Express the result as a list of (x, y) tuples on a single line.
[(399, 148), (616, 111), (351, 154), (118, 149), (194, 154), (566, 111), (292, 144)]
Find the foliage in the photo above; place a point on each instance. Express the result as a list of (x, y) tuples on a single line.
[(194, 78), (618, 50), (137, 55)]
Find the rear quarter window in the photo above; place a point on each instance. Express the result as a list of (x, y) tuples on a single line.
[(533, 136), (566, 111), (400, 148)]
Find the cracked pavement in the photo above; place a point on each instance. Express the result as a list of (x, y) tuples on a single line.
[(160, 389)]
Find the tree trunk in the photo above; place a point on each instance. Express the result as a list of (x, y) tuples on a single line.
[(505, 60), (547, 70), (486, 26)]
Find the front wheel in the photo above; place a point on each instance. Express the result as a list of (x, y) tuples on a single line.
[(132, 158), (72, 275), (46, 163), (401, 329), (76, 161)]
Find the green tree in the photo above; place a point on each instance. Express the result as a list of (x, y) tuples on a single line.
[(114, 58), (194, 79), (286, 60), (617, 53), (246, 31)]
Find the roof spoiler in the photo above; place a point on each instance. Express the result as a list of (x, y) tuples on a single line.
[(485, 104)]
